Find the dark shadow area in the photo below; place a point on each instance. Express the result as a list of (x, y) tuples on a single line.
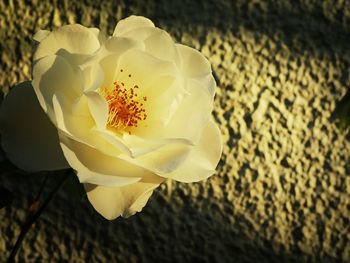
[(164, 232), (301, 26)]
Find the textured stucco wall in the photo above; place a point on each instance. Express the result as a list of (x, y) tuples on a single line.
[(282, 191)]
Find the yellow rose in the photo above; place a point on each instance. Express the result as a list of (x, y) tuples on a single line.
[(126, 112)]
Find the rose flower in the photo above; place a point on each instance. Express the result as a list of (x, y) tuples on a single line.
[(126, 112)]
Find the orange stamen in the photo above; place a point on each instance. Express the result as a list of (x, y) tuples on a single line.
[(124, 111)]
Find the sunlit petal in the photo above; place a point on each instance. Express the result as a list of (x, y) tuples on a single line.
[(131, 23), (112, 202), (203, 159), (74, 42), (94, 167), (54, 74)]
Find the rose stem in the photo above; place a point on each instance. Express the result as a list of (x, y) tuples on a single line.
[(32, 218), (34, 205), (41, 188)]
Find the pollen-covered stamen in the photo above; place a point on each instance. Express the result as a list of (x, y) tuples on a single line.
[(125, 111)]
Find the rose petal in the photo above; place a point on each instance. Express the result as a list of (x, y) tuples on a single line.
[(73, 118), (92, 75), (100, 35), (140, 146), (54, 74), (41, 35), (28, 137), (195, 65), (161, 45), (192, 113), (94, 167), (76, 122), (112, 202), (203, 159), (193, 62), (73, 42), (144, 70), (158, 43), (183, 115), (131, 23), (163, 160), (108, 57), (98, 107)]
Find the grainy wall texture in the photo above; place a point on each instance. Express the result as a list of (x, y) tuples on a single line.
[(282, 190)]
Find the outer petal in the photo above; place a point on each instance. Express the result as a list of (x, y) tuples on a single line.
[(100, 35), (96, 167), (163, 160), (54, 74), (41, 35), (125, 201), (192, 113), (158, 43), (195, 65), (28, 137), (183, 116), (75, 121), (131, 23), (74, 42), (203, 159)]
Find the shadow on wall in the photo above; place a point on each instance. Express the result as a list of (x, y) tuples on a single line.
[(322, 26), (165, 231), (319, 25)]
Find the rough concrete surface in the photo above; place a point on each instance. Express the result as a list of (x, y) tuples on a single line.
[(281, 193)]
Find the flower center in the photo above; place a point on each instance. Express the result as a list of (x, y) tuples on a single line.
[(125, 110)]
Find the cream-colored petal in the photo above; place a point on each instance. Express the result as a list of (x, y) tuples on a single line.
[(74, 42), (112, 202), (161, 45), (98, 108), (93, 75), (100, 69), (114, 140), (192, 113), (41, 35), (118, 45), (195, 65), (183, 115), (109, 57), (28, 137), (203, 159), (99, 34), (136, 67), (54, 74), (158, 43), (163, 160), (131, 23), (140, 146), (95, 167), (75, 121), (159, 156), (166, 93), (193, 62), (73, 118)]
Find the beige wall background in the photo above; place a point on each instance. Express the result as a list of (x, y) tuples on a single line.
[(282, 188)]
